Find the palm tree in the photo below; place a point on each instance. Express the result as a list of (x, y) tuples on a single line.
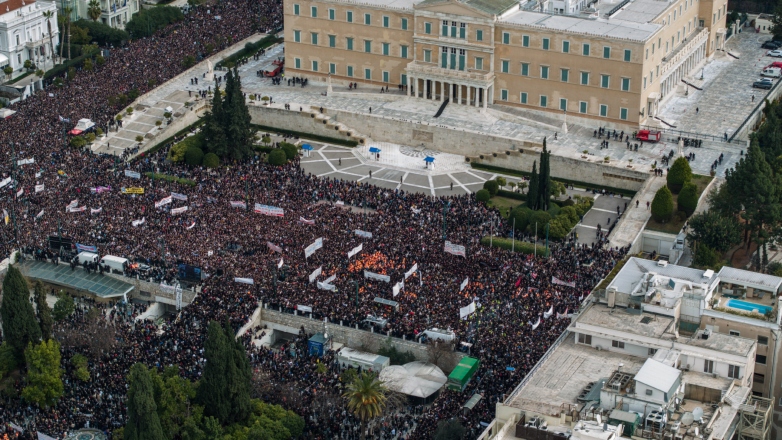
[(48, 15), (66, 20), (93, 10), (366, 397), (68, 31)]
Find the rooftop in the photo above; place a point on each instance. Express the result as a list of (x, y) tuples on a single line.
[(643, 324), (641, 11), (99, 285), (12, 5), (751, 279), (657, 375), (636, 268), (495, 7), (721, 342)]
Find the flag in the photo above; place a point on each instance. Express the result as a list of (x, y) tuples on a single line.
[(555, 280), (20, 192), (39, 188), (191, 226), (5, 216), (305, 221), (518, 282), (279, 265), (138, 222), (64, 119), (96, 211), (40, 214), (238, 205)]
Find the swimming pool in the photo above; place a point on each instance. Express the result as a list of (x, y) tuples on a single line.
[(748, 306)]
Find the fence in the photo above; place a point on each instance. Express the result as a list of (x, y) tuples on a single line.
[(672, 135), (757, 114)]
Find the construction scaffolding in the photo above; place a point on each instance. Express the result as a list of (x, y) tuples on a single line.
[(755, 419)]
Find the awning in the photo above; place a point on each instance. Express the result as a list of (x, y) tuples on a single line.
[(429, 159), (306, 147), (75, 132), (374, 150), (473, 401), (3, 59)]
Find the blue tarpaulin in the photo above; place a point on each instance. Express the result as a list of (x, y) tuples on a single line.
[(306, 147), (429, 159), (374, 150)]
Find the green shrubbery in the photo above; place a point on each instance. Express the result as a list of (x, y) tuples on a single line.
[(147, 21), (278, 157), (169, 178), (492, 186), (249, 50), (211, 160), (688, 198), (482, 195), (102, 34), (662, 205), (679, 174), (560, 220), (519, 246), (178, 151), (194, 156), (291, 151)]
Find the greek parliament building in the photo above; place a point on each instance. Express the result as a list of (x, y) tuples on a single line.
[(609, 61)]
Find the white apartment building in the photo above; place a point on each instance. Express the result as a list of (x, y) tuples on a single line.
[(24, 34), (114, 13)]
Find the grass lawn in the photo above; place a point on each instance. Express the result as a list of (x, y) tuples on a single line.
[(674, 225), (504, 204)]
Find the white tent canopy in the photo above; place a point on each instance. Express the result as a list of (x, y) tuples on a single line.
[(417, 379)]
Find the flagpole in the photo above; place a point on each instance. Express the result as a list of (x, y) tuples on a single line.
[(535, 243), (513, 245)]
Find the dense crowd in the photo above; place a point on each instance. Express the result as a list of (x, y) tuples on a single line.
[(512, 292)]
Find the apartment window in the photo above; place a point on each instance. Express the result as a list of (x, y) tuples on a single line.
[(462, 30), (367, 19), (734, 333), (349, 43), (763, 340), (623, 114), (606, 52), (758, 378), (603, 110), (427, 56), (404, 24), (546, 43), (584, 339), (649, 392), (403, 51), (585, 49), (478, 63), (505, 38), (367, 46), (647, 53), (503, 95), (644, 83), (604, 81), (525, 40), (332, 14), (524, 69), (332, 41), (708, 366), (543, 101), (523, 100), (314, 66), (582, 107), (505, 66), (314, 38), (734, 371), (479, 35), (760, 359), (584, 78), (349, 17), (297, 36), (563, 74), (350, 71), (314, 11), (628, 54), (563, 104), (444, 30), (332, 68), (297, 63), (428, 28), (367, 73), (386, 20), (652, 351), (544, 72), (385, 76), (386, 47), (566, 47), (296, 9), (625, 84), (618, 344)]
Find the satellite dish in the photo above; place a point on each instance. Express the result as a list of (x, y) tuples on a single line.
[(697, 413), (687, 419)]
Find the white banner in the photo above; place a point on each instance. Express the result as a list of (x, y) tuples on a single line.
[(20, 192), (73, 203), (191, 226), (235, 204), (96, 211), (179, 297), (165, 288), (397, 287), (412, 270), (279, 265), (305, 221), (244, 280), (177, 196), (132, 174), (324, 286), (163, 202), (273, 211), (548, 314), (330, 279), (555, 280), (40, 214), (316, 273), (377, 276), (356, 250), (535, 325), (139, 222), (305, 309), (454, 249), (309, 250), (364, 234), (78, 209), (464, 284), (5, 182), (39, 188), (273, 247), (467, 310), (176, 211), (25, 161)]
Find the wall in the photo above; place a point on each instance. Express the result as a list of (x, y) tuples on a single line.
[(302, 122)]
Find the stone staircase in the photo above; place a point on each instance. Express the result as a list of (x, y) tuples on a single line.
[(338, 126)]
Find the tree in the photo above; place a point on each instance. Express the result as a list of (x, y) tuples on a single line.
[(688, 198), (194, 156), (81, 367), (64, 307), (213, 131), (491, 186), (20, 327), (277, 157), (662, 205), (482, 195), (211, 160), (239, 124), (366, 398), (88, 66), (707, 258), (776, 20), (173, 394), (212, 389), (143, 421), (239, 375), (440, 353), (534, 182), (93, 10), (544, 180), (501, 182), (44, 312), (8, 70), (44, 375), (451, 429), (48, 16), (519, 217), (678, 175), (291, 151)]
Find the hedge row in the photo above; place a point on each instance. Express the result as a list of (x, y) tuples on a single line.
[(61, 69), (169, 178), (314, 137), (169, 139), (517, 173), (520, 246), (249, 50), (511, 195)]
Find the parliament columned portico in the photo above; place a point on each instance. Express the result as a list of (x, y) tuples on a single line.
[(460, 87)]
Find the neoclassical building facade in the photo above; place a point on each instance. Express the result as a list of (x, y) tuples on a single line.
[(608, 61)]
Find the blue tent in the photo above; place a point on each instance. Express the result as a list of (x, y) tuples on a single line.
[(306, 147), (374, 150), (429, 159)]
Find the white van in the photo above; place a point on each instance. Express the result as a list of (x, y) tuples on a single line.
[(112, 263), (87, 257), (772, 72)]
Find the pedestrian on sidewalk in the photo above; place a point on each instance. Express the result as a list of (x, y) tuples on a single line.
[(647, 205)]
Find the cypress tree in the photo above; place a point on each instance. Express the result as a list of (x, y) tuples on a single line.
[(532, 193), (239, 128), (214, 134), (44, 312), (238, 376), (544, 186), (19, 324), (213, 389), (143, 421)]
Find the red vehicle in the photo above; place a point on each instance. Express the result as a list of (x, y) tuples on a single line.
[(272, 73), (649, 135), (775, 64)]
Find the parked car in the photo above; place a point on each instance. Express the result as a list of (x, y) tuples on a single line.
[(762, 84), (775, 64), (772, 72), (775, 53), (771, 44)]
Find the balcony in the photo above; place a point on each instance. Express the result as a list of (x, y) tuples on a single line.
[(36, 43), (679, 54), (433, 72)]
